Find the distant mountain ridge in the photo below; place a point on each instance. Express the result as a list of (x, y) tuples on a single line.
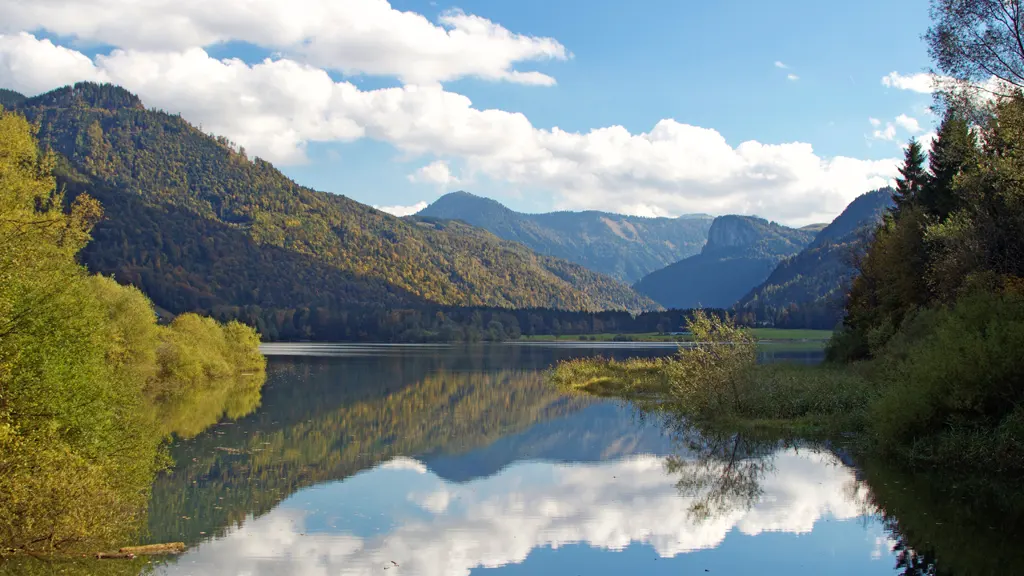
[(624, 247), (197, 224), (808, 289), (740, 253)]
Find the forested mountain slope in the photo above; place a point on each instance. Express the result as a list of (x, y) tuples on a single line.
[(808, 289), (197, 224), (741, 252), (624, 247)]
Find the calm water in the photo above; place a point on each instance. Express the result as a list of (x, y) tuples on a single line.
[(435, 460)]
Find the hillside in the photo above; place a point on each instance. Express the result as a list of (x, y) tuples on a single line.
[(197, 225), (807, 290), (10, 98), (741, 252), (624, 247)]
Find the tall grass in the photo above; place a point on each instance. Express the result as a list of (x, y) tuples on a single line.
[(718, 383)]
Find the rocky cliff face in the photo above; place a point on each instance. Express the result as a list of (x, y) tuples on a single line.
[(734, 231), (740, 253)]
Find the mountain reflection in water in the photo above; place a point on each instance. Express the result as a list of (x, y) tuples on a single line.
[(455, 461)]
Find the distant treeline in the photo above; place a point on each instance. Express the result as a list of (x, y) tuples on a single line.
[(444, 324)]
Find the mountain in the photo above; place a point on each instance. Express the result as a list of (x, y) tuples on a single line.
[(624, 247), (807, 290), (740, 253), (195, 223)]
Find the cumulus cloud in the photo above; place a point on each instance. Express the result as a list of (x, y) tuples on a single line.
[(780, 64), (402, 210), (437, 172), (909, 124), (921, 82), (353, 36), (30, 66), (792, 77), (501, 519), (275, 107)]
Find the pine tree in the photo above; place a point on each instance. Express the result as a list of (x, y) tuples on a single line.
[(953, 151), (912, 178)]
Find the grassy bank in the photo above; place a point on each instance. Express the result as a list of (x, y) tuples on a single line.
[(719, 385), (940, 392)]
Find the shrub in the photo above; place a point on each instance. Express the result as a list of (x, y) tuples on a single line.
[(952, 385)]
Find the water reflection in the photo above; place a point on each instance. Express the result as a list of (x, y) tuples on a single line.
[(448, 461), (403, 513), (326, 419), (455, 461)]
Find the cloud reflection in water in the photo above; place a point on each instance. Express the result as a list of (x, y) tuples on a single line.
[(432, 527)]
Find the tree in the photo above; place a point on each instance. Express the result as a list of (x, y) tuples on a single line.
[(975, 41), (953, 151), (912, 178)]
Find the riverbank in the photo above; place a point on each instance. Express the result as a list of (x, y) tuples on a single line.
[(925, 399)]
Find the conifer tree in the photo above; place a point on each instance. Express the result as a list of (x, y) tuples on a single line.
[(912, 178), (953, 151)]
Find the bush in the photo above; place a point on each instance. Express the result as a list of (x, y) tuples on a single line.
[(952, 384)]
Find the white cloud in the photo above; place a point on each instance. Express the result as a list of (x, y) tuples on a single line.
[(875, 122), (909, 124), (436, 172), (792, 77), (31, 66), (925, 140), (779, 64), (921, 82), (887, 133), (350, 36), (925, 83), (403, 210), (500, 520), (403, 462), (274, 108)]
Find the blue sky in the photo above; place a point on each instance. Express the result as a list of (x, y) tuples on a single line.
[(702, 65)]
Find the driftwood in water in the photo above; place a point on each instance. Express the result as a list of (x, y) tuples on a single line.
[(130, 552), (115, 556), (151, 549)]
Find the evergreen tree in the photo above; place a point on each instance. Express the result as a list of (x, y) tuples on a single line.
[(953, 150), (912, 178)]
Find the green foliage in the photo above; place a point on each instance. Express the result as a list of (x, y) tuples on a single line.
[(706, 375), (953, 151), (623, 247), (740, 253), (75, 460), (196, 224), (10, 98), (77, 353), (912, 177), (715, 382), (952, 385), (891, 283)]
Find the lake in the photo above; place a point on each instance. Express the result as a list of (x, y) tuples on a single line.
[(447, 460)]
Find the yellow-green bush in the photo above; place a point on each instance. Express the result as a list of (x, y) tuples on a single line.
[(83, 369)]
